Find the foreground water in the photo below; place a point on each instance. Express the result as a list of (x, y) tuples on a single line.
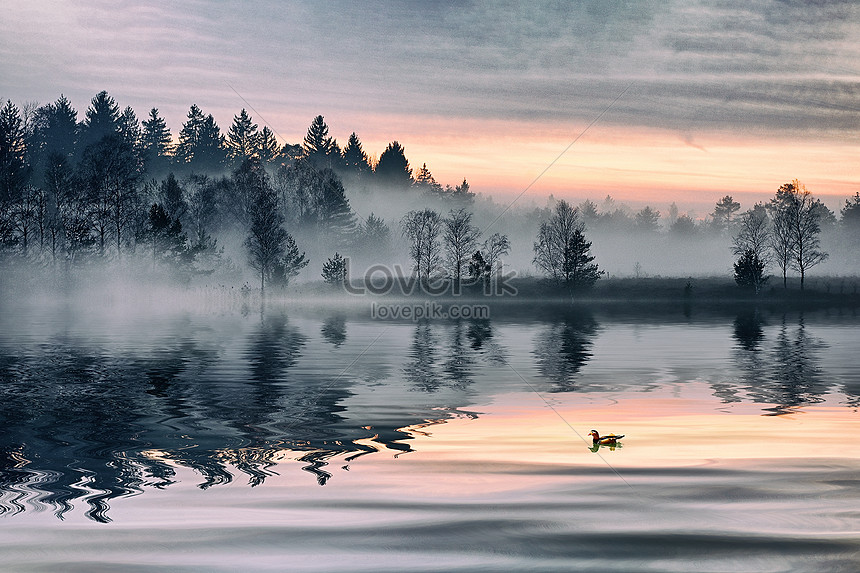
[(297, 440)]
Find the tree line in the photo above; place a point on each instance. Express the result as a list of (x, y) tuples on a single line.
[(109, 186)]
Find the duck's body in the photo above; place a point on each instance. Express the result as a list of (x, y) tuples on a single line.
[(598, 439)]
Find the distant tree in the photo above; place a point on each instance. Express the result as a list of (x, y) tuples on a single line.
[(164, 233), (267, 240), (749, 271), (242, 137), (266, 146), (25, 217), (588, 213), (393, 169), (334, 270), (425, 182), (851, 215), (478, 267), (56, 132), (494, 247), (460, 240), (156, 144), (796, 229), (201, 145), (462, 195), (102, 120), (202, 206), (724, 211), (109, 170), (14, 170), (317, 144), (354, 158), (189, 136), (562, 250), (673, 214), (246, 184), (647, 220), (297, 185), (289, 265), (171, 197), (422, 228), (753, 234), (683, 226), (59, 188), (334, 215), (374, 235)]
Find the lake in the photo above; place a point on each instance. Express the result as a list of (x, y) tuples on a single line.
[(304, 439)]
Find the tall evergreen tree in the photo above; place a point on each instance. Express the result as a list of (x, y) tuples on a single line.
[(266, 146), (156, 144), (393, 169), (14, 170), (189, 136), (354, 158), (241, 138), (102, 120), (317, 144), (58, 128), (426, 183)]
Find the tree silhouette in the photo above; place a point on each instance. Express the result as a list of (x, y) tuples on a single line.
[(796, 229), (317, 144), (723, 212), (422, 228), (334, 270), (354, 158), (102, 119), (647, 220), (156, 144), (749, 271), (562, 250), (14, 170), (241, 138), (393, 168), (460, 238), (267, 240)]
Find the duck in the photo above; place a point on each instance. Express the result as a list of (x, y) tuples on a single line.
[(611, 439)]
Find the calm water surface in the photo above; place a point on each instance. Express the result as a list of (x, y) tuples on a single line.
[(288, 439)]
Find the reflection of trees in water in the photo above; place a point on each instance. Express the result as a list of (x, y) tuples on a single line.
[(785, 373), (334, 330), (91, 421), (444, 355), (563, 348)]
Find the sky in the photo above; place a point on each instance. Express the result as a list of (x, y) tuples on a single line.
[(651, 102)]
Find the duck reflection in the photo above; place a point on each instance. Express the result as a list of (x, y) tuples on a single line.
[(563, 348)]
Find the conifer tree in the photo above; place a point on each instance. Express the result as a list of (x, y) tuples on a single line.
[(241, 138)]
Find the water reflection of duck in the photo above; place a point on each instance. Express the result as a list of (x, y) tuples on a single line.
[(611, 439)]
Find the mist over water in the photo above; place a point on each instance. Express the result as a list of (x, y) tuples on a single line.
[(286, 433)]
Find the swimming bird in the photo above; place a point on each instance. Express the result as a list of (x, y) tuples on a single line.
[(598, 439)]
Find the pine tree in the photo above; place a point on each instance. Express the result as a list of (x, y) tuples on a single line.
[(189, 136), (155, 144), (266, 146), (333, 211), (426, 183), (317, 144), (354, 157), (267, 239), (241, 138), (393, 168), (14, 170), (334, 270), (102, 119), (749, 271)]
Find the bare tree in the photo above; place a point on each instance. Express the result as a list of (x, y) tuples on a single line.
[(753, 234), (796, 229), (461, 239), (562, 250), (495, 246), (422, 229)]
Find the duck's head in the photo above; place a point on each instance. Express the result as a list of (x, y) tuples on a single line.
[(594, 435)]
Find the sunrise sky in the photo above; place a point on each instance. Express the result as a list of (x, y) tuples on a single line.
[(727, 97)]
